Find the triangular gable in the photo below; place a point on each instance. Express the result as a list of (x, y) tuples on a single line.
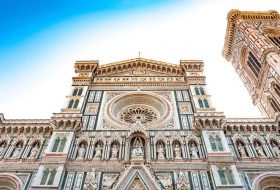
[(136, 173), (139, 67)]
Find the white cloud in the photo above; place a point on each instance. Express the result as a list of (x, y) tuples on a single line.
[(169, 34)]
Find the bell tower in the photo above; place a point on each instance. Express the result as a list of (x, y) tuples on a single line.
[(252, 45)]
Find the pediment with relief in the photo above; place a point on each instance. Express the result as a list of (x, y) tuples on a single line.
[(139, 67)]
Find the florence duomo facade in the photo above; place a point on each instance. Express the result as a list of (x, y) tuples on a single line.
[(146, 124)]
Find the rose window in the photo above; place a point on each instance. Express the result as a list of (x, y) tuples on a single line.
[(147, 108), (141, 114)]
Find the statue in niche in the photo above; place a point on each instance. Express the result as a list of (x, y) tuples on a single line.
[(276, 148), (115, 150), (2, 149), (194, 151), (242, 150), (177, 151), (259, 150), (34, 151), (183, 182), (98, 151), (161, 152), (81, 151), (17, 151), (137, 149)]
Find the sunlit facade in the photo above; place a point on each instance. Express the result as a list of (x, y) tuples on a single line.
[(146, 124)]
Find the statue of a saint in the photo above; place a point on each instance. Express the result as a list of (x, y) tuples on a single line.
[(259, 151), (17, 151), (194, 151), (242, 151), (160, 151), (137, 148), (177, 151), (81, 151), (115, 150), (276, 149), (34, 151), (2, 149), (98, 151)]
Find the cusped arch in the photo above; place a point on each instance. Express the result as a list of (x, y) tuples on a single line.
[(192, 138), (238, 137), (160, 138), (254, 137), (83, 139), (270, 137), (10, 182), (38, 140), (266, 180), (113, 139)]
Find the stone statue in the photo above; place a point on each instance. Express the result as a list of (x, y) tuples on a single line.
[(115, 150), (17, 151), (177, 151), (160, 151), (242, 151), (259, 151), (276, 149), (81, 151), (2, 149), (34, 152), (194, 151), (183, 182), (98, 151), (90, 181), (137, 148)]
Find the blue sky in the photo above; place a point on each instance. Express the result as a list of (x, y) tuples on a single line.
[(41, 40), (22, 19)]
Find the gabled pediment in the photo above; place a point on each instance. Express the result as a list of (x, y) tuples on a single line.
[(139, 67)]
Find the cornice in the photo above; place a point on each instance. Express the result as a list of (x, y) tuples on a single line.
[(234, 16)]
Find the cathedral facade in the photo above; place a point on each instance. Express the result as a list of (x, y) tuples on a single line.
[(149, 125)]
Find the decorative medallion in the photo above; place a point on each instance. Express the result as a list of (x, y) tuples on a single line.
[(139, 71)]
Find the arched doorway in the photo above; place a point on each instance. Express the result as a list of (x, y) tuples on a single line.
[(10, 182), (267, 181)]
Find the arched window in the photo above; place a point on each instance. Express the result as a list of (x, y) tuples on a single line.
[(216, 143), (226, 176), (59, 144), (206, 103), (200, 103), (62, 144), (196, 91), (202, 92), (70, 105), (275, 40), (277, 89), (274, 105), (48, 176), (80, 92), (254, 64), (76, 104), (75, 91)]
